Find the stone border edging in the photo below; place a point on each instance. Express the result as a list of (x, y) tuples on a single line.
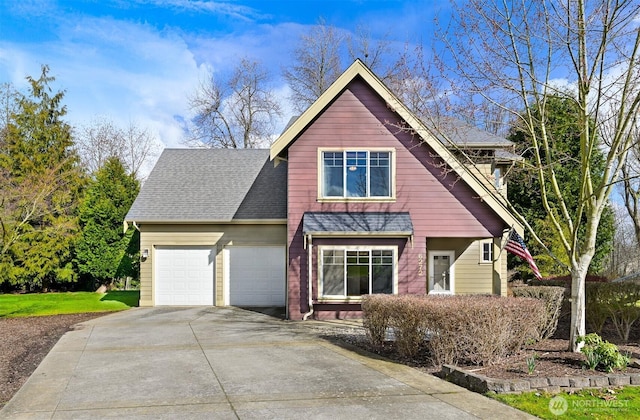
[(483, 384)]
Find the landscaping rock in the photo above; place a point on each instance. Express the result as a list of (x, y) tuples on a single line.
[(598, 381), (619, 380), (538, 382), (559, 381), (578, 382), (520, 386)]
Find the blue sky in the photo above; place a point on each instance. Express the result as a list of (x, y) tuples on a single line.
[(139, 60)]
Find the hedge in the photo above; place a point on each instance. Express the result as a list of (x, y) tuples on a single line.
[(454, 329)]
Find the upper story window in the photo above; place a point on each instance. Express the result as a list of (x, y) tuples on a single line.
[(357, 173), (498, 177)]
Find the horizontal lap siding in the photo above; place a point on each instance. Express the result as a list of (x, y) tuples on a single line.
[(438, 207), (471, 276)]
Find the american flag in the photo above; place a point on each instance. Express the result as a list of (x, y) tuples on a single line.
[(515, 245)]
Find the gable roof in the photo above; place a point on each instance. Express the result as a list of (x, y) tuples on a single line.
[(358, 69), (464, 135), (212, 185)]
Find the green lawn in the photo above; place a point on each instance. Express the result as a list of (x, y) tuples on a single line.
[(612, 403), (38, 304)]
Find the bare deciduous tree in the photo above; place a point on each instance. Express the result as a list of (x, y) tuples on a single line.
[(8, 100), (240, 112), (631, 183), (316, 65), (624, 259), (515, 55), (375, 53), (133, 145)]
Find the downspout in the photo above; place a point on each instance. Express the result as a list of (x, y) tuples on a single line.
[(310, 277)]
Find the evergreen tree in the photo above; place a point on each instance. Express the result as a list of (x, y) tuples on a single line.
[(104, 253), (524, 188), (41, 181)]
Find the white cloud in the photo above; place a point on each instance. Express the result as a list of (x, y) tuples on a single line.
[(124, 70), (214, 7)]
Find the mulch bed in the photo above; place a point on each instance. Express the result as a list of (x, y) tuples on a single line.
[(24, 342), (553, 359)]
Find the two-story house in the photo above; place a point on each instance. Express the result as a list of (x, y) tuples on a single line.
[(357, 196)]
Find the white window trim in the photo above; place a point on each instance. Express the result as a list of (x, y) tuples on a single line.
[(339, 298), (481, 246), (452, 258), (320, 180)]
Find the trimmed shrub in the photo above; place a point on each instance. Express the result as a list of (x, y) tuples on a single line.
[(623, 307), (481, 329), (409, 323), (552, 297), (597, 305), (376, 312), (615, 301), (455, 329)]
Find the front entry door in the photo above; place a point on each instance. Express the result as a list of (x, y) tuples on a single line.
[(441, 271)]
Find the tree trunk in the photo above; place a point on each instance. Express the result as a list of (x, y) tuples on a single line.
[(578, 304)]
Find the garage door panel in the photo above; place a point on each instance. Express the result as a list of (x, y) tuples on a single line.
[(257, 276), (184, 275)]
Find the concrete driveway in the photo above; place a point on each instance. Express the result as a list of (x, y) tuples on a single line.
[(228, 363)]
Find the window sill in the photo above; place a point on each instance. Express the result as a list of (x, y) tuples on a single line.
[(339, 299), (352, 299), (356, 199)]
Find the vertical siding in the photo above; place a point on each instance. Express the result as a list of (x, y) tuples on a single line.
[(216, 235), (440, 204)]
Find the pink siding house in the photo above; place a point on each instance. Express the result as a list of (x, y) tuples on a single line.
[(373, 208), (357, 196)]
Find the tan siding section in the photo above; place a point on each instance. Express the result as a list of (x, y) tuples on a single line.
[(470, 275), (218, 235)]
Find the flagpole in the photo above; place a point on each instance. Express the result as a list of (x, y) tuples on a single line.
[(504, 243)]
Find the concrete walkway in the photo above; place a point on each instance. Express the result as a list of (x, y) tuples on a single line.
[(228, 363)]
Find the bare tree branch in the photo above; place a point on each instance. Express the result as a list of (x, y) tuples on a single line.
[(516, 55), (240, 112)]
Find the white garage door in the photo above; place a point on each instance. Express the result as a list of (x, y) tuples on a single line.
[(256, 275), (184, 275)]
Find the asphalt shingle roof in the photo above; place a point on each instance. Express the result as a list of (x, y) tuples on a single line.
[(463, 135), (212, 185), (370, 222)]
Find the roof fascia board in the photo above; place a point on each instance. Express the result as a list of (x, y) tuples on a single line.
[(210, 222), (314, 110), (333, 234)]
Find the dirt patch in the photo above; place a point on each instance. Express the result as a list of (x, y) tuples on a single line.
[(25, 342)]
